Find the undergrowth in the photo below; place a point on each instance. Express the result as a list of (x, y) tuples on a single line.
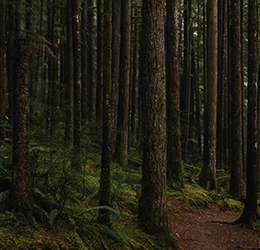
[(66, 201)]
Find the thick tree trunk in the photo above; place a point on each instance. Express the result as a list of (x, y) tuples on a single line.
[(250, 213), (236, 105), (2, 69), (208, 174), (153, 215), (22, 192), (174, 152)]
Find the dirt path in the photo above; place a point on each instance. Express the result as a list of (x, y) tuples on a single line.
[(208, 229)]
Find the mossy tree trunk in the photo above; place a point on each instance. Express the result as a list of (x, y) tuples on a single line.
[(236, 105), (105, 187), (208, 173), (76, 162), (250, 213), (153, 216), (69, 81), (174, 151), (124, 83), (22, 187), (2, 69)]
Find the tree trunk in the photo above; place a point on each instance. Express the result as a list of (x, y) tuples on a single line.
[(84, 64), (22, 192), (250, 213), (174, 152), (208, 174), (236, 105), (91, 62), (99, 58), (153, 217), (69, 86), (105, 188), (2, 69), (76, 162), (124, 81)]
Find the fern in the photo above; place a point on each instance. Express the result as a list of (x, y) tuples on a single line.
[(116, 212), (52, 216)]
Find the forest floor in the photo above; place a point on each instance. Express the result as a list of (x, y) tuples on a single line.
[(199, 228)]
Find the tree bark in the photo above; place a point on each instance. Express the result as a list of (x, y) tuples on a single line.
[(208, 174), (236, 105), (153, 217), (124, 82), (174, 151), (105, 187)]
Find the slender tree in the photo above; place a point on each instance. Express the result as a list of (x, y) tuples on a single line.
[(250, 213), (76, 163), (174, 152), (105, 189), (124, 82), (99, 58), (153, 216), (236, 105), (84, 64), (2, 69), (208, 174), (69, 81), (91, 100)]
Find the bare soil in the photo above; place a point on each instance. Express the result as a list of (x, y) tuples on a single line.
[(210, 228)]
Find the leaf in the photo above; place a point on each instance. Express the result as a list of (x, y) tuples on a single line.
[(52, 215)]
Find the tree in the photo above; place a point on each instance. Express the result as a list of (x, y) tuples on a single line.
[(76, 163), (174, 152), (208, 173), (153, 217), (2, 69), (99, 58), (236, 110), (105, 188), (91, 100), (69, 81), (124, 82), (250, 213), (22, 189)]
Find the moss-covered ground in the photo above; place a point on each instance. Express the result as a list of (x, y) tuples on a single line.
[(66, 204)]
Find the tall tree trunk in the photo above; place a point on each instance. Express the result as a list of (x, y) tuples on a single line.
[(185, 84), (153, 216), (91, 62), (116, 13), (84, 64), (124, 81), (250, 213), (105, 188), (2, 69), (22, 191), (69, 81), (99, 58), (76, 162), (174, 152), (236, 105), (10, 59), (208, 174)]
